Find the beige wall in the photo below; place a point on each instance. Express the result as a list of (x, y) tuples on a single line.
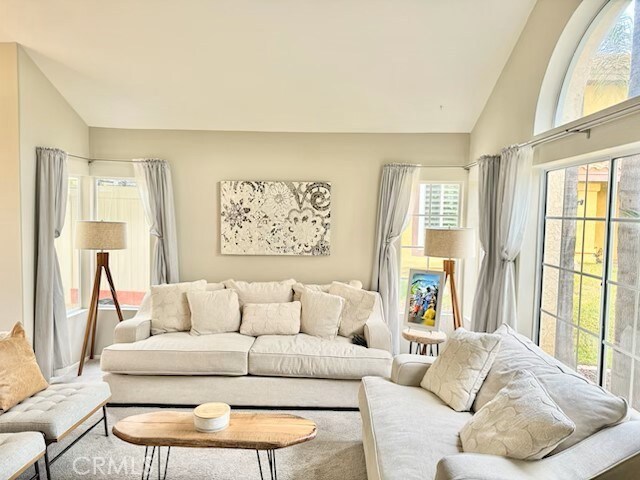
[(510, 117), (352, 162), (10, 241), (47, 120)]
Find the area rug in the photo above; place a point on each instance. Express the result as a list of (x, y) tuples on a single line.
[(335, 454)]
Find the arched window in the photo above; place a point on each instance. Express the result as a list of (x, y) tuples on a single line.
[(605, 69)]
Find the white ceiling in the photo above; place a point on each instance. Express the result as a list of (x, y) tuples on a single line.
[(271, 65)]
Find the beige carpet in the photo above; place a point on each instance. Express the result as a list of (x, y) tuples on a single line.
[(336, 453)]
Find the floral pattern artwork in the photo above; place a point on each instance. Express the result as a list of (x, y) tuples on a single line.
[(275, 218)]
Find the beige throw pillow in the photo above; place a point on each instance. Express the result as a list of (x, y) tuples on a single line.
[(357, 309), (299, 288), (521, 422), (590, 407), (215, 311), (262, 292), (458, 373), (170, 307), (270, 319), (320, 314), (20, 375)]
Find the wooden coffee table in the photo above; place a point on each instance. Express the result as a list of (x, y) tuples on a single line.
[(251, 431)]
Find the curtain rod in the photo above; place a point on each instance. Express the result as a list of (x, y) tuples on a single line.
[(91, 160)]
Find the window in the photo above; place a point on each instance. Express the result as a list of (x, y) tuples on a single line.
[(605, 69), (118, 199), (435, 205), (588, 316), (68, 256)]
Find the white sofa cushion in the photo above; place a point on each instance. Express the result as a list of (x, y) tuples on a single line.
[(406, 430), (306, 356), (320, 314), (458, 373), (357, 308), (215, 311), (170, 308), (180, 353), (270, 319), (213, 287), (298, 288), (590, 407), (521, 422), (262, 292)]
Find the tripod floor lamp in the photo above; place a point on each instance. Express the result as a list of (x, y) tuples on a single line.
[(450, 244), (99, 236)]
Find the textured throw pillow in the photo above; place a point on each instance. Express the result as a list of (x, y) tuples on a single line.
[(521, 422), (299, 288), (590, 407), (170, 307), (262, 292), (357, 309), (20, 376), (215, 311), (270, 319), (320, 314), (458, 373)]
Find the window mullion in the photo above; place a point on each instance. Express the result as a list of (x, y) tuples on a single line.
[(606, 268)]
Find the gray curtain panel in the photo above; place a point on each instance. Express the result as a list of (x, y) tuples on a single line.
[(51, 334), (156, 190), (396, 187), (504, 195)]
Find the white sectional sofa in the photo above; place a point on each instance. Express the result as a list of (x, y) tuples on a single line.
[(270, 370), (410, 434)]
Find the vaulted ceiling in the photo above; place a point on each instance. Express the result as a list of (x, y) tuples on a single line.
[(271, 65)]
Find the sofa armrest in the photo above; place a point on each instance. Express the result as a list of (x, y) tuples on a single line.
[(612, 453), (132, 330), (409, 369), (376, 330), (136, 328)]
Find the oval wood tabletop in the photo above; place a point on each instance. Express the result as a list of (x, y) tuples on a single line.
[(256, 431)]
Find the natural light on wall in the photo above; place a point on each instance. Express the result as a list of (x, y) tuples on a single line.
[(605, 69)]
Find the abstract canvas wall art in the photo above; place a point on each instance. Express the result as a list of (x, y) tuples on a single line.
[(275, 218)]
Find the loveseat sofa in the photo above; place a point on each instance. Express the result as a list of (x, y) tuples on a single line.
[(299, 370), (410, 434)]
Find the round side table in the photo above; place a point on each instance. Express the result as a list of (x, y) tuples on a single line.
[(424, 339)]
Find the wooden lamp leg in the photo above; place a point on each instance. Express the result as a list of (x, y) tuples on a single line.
[(102, 262), (93, 310), (450, 270)]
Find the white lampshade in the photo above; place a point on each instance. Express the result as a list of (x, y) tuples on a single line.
[(449, 242), (101, 235)]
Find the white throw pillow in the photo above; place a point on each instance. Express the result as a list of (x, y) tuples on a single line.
[(212, 287), (170, 307), (270, 319), (590, 407), (262, 292), (357, 308), (299, 288), (458, 373), (216, 311), (521, 422), (320, 314)]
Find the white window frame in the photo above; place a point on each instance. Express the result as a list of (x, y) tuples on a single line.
[(542, 217), (461, 210)]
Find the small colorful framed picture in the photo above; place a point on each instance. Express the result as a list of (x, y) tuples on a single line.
[(422, 309)]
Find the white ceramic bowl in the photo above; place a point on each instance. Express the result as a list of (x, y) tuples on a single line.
[(211, 417)]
